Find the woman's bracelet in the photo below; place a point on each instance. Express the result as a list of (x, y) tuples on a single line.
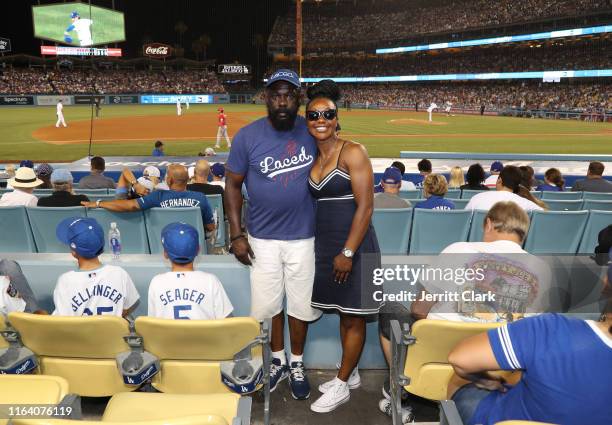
[(237, 237)]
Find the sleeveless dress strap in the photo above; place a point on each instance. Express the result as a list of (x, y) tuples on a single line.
[(340, 154)]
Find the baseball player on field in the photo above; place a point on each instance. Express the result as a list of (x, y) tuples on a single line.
[(60, 114), (447, 108), (185, 293), (430, 109), (186, 102), (82, 28), (222, 130), (179, 109), (94, 288)]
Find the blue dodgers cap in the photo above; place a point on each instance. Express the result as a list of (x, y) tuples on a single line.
[(497, 166), (83, 234), (218, 169), (26, 163), (61, 175), (181, 242), (74, 15), (284, 75), (392, 176)]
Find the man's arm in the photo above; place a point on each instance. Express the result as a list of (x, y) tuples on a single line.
[(421, 308), (233, 207), (119, 205)]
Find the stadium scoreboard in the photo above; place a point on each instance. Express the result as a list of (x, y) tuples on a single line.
[(234, 69)]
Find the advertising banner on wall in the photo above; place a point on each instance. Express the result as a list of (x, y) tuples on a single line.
[(157, 50), (16, 100), (52, 100), (121, 99), (5, 45), (87, 99), (172, 98)]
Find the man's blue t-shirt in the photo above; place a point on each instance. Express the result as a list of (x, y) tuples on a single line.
[(157, 152), (567, 371), (174, 199), (276, 165), (435, 202)]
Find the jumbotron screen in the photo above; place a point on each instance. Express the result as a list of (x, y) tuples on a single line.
[(78, 24)]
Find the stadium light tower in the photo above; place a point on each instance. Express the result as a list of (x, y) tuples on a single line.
[(298, 34)]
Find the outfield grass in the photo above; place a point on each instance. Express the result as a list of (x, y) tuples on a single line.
[(385, 134)]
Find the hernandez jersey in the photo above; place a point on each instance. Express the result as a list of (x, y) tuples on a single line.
[(106, 290), (194, 295), (81, 26)]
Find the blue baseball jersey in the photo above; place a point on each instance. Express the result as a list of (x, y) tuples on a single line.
[(549, 188), (175, 199), (276, 165), (436, 203), (567, 371)]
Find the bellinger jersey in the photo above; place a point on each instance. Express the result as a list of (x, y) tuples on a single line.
[(276, 165)]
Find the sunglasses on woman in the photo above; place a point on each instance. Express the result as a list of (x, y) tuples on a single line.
[(328, 114)]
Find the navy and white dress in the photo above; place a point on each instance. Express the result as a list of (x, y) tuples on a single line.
[(334, 215)]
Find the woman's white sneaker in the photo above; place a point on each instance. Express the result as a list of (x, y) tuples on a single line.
[(353, 382), (337, 394)]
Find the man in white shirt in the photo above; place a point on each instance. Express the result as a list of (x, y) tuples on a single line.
[(185, 293), (218, 174), (60, 114), (23, 183), (496, 168), (82, 27), (508, 185)]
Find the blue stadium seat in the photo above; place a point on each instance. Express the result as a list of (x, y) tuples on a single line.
[(555, 232), (92, 193), (157, 218), (592, 204), (392, 227), (131, 225), (42, 192), (597, 221), (433, 230), (557, 205), (453, 194), (468, 193), (16, 234), (561, 196), (44, 221), (460, 203), (414, 201), (410, 194), (536, 194), (476, 229), (216, 204), (597, 196)]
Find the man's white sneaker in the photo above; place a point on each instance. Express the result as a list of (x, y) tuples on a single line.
[(337, 394), (353, 382)]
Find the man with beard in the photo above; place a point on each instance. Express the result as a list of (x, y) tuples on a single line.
[(273, 157)]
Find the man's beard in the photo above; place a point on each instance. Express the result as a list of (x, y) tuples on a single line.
[(286, 123)]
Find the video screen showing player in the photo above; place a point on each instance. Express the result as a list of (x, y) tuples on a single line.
[(82, 27)]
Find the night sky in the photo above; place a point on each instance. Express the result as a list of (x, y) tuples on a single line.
[(231, 24)]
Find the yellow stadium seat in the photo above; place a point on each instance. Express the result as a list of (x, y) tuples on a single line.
[(80, 349), (3, 343), (185, 420), (522, 423), (31, 389), (125, 407)]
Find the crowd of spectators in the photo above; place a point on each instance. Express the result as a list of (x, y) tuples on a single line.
[(421, 17), (89, 81)]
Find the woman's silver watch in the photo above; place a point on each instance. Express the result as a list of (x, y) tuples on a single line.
[(347, 253)]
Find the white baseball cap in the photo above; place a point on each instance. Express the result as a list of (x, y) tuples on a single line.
[(143, 181), (151, 171)]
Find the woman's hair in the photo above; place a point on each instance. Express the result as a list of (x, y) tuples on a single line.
[(527, 176), (326, 89), (512, 178), (456, 177), (554, 176), (475, 175), (435, 184)]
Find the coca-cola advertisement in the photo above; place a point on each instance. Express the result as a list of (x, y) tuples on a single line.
[(157, 50)]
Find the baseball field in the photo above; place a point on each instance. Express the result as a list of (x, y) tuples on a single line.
[(29, 132)]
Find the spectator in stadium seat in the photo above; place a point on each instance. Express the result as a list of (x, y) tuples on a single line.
[(565, 363), (553, 181), (434, 189), (177, 197), (205, 297), (15, 291), (23, 183), (201, 173), (130, 187), (97, 179), (153, 174), (158, 150), (43, 172), (406, 184), (496, 168), (218, 174), (62, 195), (26, 163), (280, 223), (508, 188), (425, 168), (456, 179), (72, 295), (391, 182), (594, 181), (475, 177)]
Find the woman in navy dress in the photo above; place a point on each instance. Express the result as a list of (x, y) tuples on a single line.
[(346, 248)]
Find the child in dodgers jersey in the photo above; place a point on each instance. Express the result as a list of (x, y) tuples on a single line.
[(185, 293), (94, 288)]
